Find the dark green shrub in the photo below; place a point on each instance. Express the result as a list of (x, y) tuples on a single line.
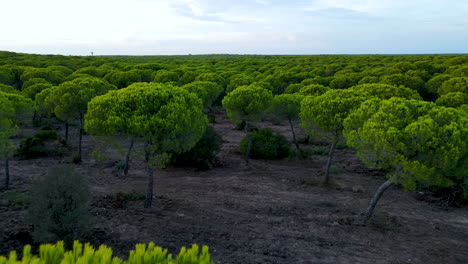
[(203, 154), (266, 145), (59, 210), (121, 198), (41, 144)]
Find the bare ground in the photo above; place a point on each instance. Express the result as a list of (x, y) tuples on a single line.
[(260, 213)]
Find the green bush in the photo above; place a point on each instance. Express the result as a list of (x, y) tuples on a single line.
[(121, 198), (59, 210), (203, 154), (40, 144), (86, 254), (266, 145)]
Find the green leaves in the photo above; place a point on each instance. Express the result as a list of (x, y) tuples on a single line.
[(85, 253), (167, 118), (326, 112), (70, 99), (416, 141), (286, 106), (247, 103)]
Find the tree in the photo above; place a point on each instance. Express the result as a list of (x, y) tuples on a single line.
[(287, 106), (239, 80), (453, 99), (324, 114), (14, 109), (385, 91), (59, 210), (416, 142), (313, 90), (167, 119), (433, 85), (165, 76), (70, 100), (247, 104), (7, 130), (122, 79), (207, 91), (453, 85)]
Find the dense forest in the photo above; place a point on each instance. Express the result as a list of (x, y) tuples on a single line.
[(99, 148)]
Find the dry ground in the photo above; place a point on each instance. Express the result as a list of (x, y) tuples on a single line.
[(260, 213)]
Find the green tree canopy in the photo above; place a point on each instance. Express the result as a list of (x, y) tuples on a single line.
[(287, 107), (385, 91), (70, 99), (415, 141), (207, 91), (453, 99), (313, 90), (166, 118), (324, 114), (247, 104), (454, 85)]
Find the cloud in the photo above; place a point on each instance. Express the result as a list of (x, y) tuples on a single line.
[(340, 13)]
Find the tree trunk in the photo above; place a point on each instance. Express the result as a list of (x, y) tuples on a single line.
[(330, 158), (294, 135), (66, 132), (34, 116), (7, 174), (81, 136), (375, 199), (149, 191), (249, 144), (127, 158)]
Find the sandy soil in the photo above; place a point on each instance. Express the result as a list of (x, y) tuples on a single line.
[(260, 213)]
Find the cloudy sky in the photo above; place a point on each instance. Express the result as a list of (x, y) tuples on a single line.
[(151, 27)]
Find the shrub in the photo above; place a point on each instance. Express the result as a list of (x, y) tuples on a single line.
[(40, 144), (120, 199), (267, 145), (203, 154), (142, 254), (59, 210)]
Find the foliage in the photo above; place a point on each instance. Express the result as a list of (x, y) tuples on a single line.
[(165, 76), (415, 141), (203, 154), (22, 106), (385, 91), (286, 106), (239, 80), (71, 98), (122, 79), (59, 210), (207, 91), (247, 103), (325, 113), (31, 91), (34, 81), (436, 82), (454, 85), (453, 99), (293, 88), (8, 89), (7, 128), (267, 145), (79, 253), (313, 90), (414, 83), (166, 118), (35, 145)]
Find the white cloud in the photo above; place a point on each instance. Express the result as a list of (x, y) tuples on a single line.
[(215, 26)]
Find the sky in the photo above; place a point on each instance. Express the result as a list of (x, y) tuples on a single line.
[(166, 27)]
